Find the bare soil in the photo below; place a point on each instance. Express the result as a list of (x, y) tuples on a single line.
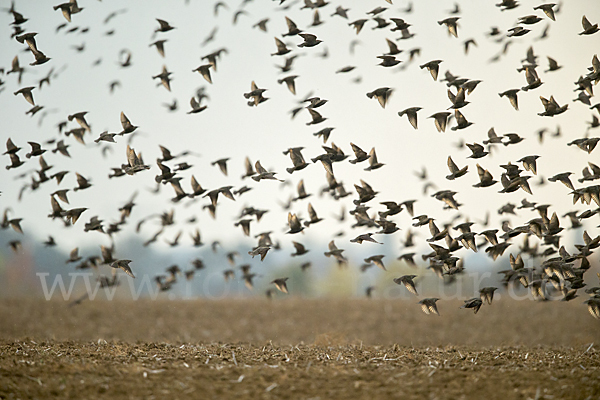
[(297, 348)]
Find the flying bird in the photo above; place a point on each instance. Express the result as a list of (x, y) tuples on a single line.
[(411, 113), (124, 265), (408, 282)]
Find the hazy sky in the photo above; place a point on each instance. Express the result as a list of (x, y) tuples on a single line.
[(230, 128)]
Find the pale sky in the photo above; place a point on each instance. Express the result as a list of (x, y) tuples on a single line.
[(229, 128)]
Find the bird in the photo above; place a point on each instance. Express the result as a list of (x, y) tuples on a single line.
[(15, 223), (455, 172), (593, 305), (529, 163), (196, 107), (474, 303), (292, 28), (529, 19), (359, 154), (15, 161), (400, 24), (298, 161), (517, 31), (518, 182), (289, 81), (212, 58), (262, 24), (125, 58), (222, 163), (345, 69), (262, 173), (364, 237), (382, 94), (563, 177), (551, 107), (461, 121), (281, 284), (490, 236), (124, 265), (548, 9), (532, 78), (588, 28), (408, 282), (441, 119), (458, 100), (365, 192), (245, 224), (164, 26), (281, 48), (312, 215), (388, 61), (26, 92), (411, 113), (294, 224), (11, 148), (310, 40), (82, 183), (552, 65), (300, 249), (451, 24), (66, 9), (316, 117), (377, 260), (429, 306), (393, 208), (160, 46), (164, 77), (373, 163), (433, 67), (341, 11), (511, 95), (126, 124), (61, 194), (358, 24), (493, 137), (485, 177), (16, 68), (260, 250), (80, 118), (393, 48), (477, 150), (255, 95), (336, 253), (408, 258), (513, 138), (204, 70), (36, 150), (487, 294), (467, 43), (73, 256), (50, 242)]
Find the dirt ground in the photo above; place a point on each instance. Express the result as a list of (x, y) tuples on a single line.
[(297, 348)]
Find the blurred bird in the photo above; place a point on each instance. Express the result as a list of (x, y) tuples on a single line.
[(407, 281), (429, 306), (281, 284), (474, 303)]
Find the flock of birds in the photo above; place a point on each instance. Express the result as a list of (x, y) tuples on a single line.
[(557, 273)]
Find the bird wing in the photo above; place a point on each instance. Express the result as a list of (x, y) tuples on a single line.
[(259, 168), (585, 23), (452, 166), (125, 123)]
